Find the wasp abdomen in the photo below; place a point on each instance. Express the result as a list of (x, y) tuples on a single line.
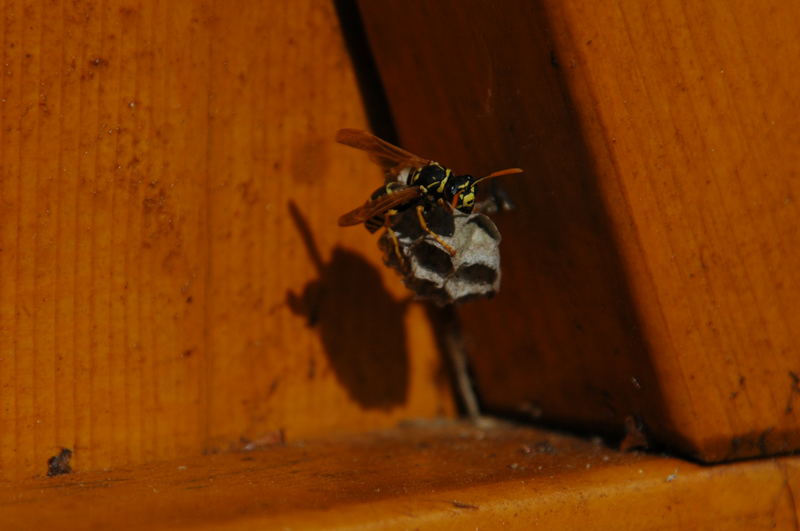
[(373, 224)]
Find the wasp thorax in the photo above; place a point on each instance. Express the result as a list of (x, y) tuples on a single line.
[(430, 177)]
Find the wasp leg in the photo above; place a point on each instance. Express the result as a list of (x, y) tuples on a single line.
[(424, 225), (393, 236), (444, 204)]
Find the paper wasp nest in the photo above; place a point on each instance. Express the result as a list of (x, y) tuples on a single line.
[(430, 271)]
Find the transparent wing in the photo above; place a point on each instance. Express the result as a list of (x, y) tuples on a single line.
[(388, 156), (380, 205)]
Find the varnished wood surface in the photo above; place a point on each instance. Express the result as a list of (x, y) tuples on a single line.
[(650, 269), (172, 279), (442, 476)]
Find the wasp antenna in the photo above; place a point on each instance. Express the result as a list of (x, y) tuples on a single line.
[(500, 173)]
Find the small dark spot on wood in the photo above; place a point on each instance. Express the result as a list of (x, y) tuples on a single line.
[(189, 299), (554, 60), (249, 192), (635, 437), (794, 388), (589, 42), (462, 505), (98, 62), (188, 352), (59, 464)]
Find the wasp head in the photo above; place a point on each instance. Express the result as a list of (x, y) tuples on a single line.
[(461, 192), (462, 189)]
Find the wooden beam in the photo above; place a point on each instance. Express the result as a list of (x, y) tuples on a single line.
[(453, 476), (650, 268)]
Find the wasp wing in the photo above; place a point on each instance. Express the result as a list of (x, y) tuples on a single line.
[(375, 207), (388, 156)]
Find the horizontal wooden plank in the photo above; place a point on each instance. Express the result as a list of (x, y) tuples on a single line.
[(172, 279), (445, 475), (650, 268)]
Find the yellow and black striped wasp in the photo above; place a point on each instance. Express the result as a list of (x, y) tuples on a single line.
[(412, 182)]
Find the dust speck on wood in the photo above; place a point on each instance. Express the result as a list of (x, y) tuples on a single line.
[(59, 464)]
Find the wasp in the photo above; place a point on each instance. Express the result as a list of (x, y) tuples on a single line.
[(411, 182)]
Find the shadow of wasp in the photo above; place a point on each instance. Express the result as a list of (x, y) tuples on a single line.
[(359, 322)]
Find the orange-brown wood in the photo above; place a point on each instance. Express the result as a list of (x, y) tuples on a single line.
[(650, 268), (172, 279), (451, 477)]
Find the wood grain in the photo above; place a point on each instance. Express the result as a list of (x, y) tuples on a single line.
[(450, 476), (160, 295), (650, 267)]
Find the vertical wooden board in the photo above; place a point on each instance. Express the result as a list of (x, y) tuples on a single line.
[(158, 297), (699, 103), (561, 338), (98, 237), (648, 270), (304, 329)]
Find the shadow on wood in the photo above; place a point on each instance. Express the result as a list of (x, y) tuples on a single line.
[(360, 324)]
